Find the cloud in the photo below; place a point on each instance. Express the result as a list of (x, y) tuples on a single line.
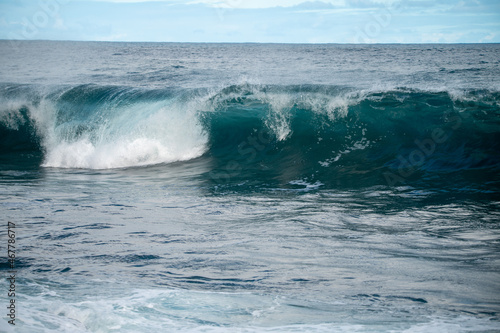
[(138, 1), (440, 37), (234, 4), (488, 38), (277, 21)]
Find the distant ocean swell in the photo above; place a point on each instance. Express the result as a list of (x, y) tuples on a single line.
[(324, 135)]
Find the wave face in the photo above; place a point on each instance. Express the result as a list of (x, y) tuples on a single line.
[(286, 136), (100, 127)]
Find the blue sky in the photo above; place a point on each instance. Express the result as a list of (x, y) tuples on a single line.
[(278, 21)]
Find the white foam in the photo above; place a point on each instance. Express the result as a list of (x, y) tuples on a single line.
[(143, 134), (160, 310), (10, 115), (126, 153), (281, 104), (308, 186), (358, 145), (334, 107), (279, 113), (455, 325)]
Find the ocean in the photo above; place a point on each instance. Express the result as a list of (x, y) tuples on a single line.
[(170, 187)]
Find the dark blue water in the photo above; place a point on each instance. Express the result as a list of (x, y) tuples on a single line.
[(249, 187)]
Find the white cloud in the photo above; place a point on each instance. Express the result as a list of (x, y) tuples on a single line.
[(253, 4), (440, 37), (237, 21), (236, 4), (136, 1), (226, 3), (488, 38), (59, 24)]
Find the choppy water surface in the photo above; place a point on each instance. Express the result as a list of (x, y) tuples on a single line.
[(275, 188)]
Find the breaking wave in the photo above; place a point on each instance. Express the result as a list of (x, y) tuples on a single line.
[(314, 134)]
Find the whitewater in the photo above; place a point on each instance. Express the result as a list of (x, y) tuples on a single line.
[(250, 187)]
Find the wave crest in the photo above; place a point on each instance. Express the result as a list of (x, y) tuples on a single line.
[(331, 135)]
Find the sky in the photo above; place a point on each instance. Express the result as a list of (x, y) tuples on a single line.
[(262, 21)]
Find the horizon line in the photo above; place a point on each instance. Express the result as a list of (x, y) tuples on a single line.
[(215, 42)]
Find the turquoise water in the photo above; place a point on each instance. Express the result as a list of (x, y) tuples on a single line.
[(251, 188)]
